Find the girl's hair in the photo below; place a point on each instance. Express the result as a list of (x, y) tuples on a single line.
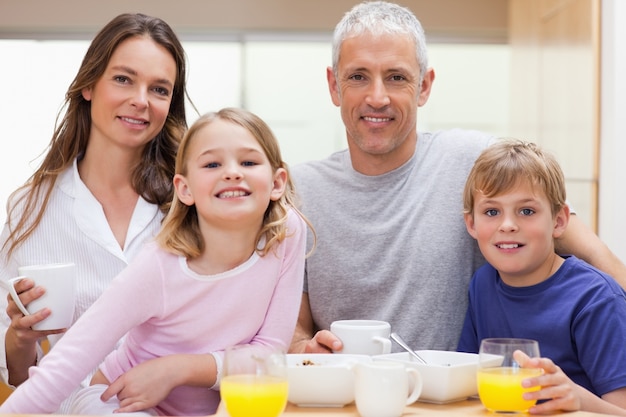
[(180, 233), (510, 162), (380, 17), (152, 177)]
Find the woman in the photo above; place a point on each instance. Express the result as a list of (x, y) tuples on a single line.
[(106, 180)]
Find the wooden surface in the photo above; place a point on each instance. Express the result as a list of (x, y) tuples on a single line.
[(471, 407), (4, 392)]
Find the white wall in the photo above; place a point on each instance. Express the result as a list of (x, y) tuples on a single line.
[(612, 201), (35, 78), (471, 89)]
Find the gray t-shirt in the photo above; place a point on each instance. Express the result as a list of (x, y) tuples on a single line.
[(394, 247)]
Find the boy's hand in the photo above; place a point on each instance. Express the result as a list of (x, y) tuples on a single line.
[(560, 392)]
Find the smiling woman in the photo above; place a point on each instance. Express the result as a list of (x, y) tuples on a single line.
[(105, 180)]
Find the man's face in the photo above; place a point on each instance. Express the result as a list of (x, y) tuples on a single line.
[(378, 89)]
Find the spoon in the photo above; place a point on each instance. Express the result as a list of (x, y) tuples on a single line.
[(396, 338)]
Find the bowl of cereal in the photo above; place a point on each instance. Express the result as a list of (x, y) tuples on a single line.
[(447, 376), (322, 380)]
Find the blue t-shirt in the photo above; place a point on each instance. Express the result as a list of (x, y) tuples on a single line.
[(578, 316)]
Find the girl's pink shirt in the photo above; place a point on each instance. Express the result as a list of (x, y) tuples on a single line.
[(165, 308)]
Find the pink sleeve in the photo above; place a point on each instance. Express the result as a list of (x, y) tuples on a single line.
[(282, 314), (89, 340)]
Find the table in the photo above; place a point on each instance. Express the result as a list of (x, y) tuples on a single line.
[(470, 407)]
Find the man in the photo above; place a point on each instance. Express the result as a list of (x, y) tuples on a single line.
[(391, 241)]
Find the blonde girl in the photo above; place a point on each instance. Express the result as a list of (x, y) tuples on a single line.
[(226, 269)]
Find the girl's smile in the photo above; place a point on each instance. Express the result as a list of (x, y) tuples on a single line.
[(228, 176)]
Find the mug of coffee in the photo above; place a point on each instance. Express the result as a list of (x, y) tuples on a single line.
[(381, 388), (59, 282), (363, 337)]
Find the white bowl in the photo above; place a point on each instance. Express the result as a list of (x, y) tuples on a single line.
[(448, 376), (322, 380)]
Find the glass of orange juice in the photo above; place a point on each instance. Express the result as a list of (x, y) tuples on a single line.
[(254, 381), (499, 376)]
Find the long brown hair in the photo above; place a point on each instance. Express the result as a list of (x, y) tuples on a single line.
[(180, 233), (152, 178)]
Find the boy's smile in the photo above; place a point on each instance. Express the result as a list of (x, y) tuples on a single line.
[(515, 231)]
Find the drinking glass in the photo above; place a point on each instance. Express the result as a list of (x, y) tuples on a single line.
[(254, 381), (499, 376)]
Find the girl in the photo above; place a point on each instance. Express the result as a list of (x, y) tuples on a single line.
[(106, 181), (226, 269)]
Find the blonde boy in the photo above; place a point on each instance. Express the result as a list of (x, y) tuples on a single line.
[(514, 204)]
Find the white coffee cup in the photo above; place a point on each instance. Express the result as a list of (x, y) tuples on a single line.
[(381, 388), (59, 283), (363, 337)]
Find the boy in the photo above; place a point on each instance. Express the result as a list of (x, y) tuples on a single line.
[(514, 206)]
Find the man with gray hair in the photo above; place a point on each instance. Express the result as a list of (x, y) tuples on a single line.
[(391, 241)]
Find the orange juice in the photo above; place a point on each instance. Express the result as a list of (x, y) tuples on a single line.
[(254, 395), (500, 389)]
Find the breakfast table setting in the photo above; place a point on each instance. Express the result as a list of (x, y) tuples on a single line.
[(367, 379)]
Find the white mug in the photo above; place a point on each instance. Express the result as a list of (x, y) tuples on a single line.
[(363, 337), (381, 388), (59, 282)]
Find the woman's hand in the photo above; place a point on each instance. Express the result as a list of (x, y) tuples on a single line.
[(21, 339)]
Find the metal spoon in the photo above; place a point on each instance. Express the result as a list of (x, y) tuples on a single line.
[(396, 338)]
